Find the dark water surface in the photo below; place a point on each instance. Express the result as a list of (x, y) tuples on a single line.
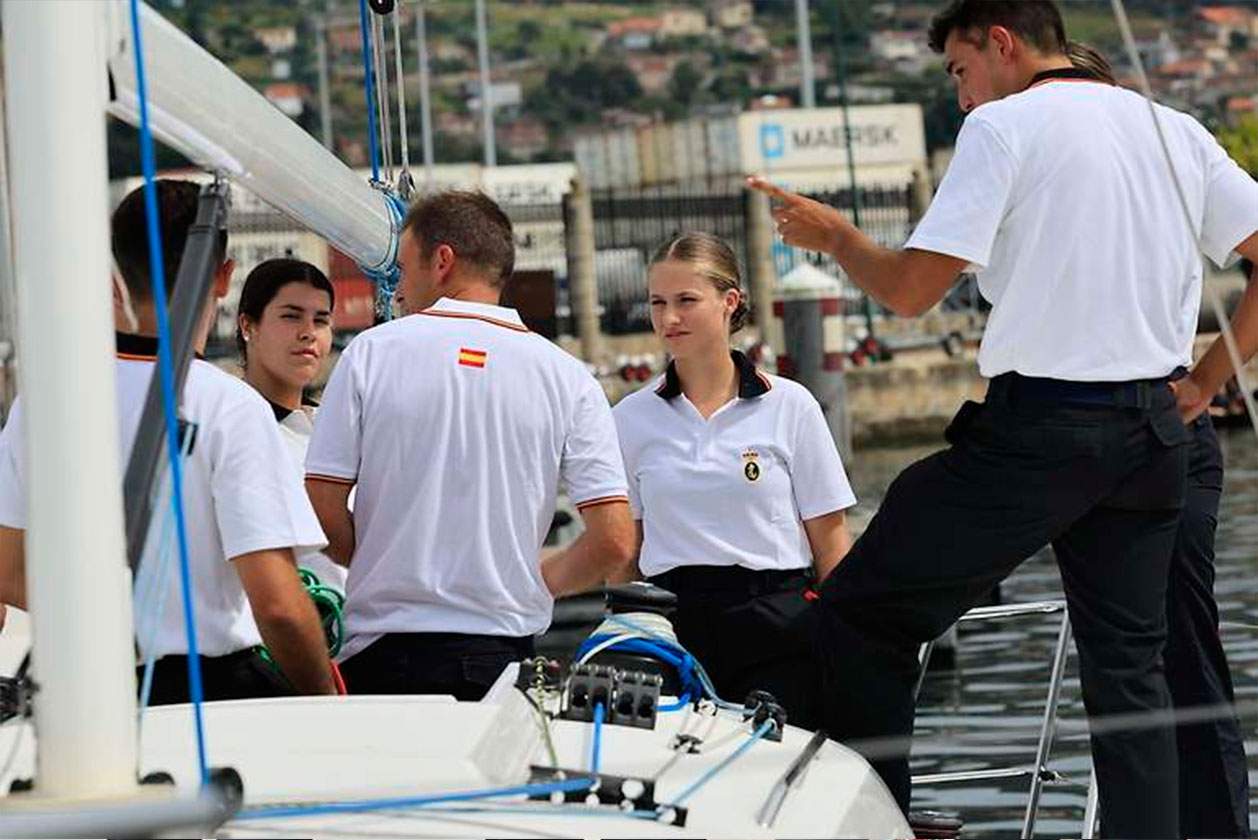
[(987, 711)]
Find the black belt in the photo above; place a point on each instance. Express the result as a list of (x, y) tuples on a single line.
[(1138, 393), (685, 579)]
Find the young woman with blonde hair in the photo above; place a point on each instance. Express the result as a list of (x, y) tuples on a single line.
[(736, 484)]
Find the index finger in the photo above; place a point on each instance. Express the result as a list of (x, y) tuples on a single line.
[(772, 190)]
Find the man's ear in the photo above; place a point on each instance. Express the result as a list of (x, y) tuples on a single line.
[(443, 259), (223, 278), (1004, 41)]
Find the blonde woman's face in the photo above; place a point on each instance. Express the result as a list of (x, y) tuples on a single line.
[(687, 312)]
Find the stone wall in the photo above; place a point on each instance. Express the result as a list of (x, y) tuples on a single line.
[(910, 399)]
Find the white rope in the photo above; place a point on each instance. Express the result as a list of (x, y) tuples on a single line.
[(403, 140), (384, 126), (1216, 303)]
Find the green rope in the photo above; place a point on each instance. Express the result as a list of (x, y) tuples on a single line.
[(330, 603)]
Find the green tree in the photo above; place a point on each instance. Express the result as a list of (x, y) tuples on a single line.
[(685, 84), (1241, 142)]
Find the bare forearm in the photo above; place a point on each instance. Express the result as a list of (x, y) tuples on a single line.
[(574, 569), (296, 644), (1215, 367), (339, 529), (331, 505), (13, 567), (877, 270)]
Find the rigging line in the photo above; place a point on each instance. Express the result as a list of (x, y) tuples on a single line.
[(373, 150), (403, 140), (382, 95), (165, 367), (1212, 294), (713, 772)]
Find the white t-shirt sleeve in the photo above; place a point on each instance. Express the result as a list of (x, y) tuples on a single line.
[(335, 450), (591, 466), (818, 479), (259, 499), (1231, 208), (629, 454), (967, 210), (12, 471)]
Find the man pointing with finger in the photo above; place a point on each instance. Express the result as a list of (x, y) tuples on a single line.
[(1061, 197)]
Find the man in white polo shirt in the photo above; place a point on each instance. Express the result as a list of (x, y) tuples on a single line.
[(243, 503), (1061, 195), (457, 424)]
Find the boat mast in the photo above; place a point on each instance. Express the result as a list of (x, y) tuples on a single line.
[(78, 585)]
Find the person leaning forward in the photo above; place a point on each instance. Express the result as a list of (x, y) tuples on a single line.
[(1060, 195), (457, 424)]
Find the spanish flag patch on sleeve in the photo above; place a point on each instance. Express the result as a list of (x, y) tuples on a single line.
[(472, 358)]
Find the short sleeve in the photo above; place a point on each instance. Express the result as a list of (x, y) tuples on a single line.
[(259, 499), (12, 471), (972, 200), (591, 467), (629, 454), (818, 479), (336, 445), (1231, 204)]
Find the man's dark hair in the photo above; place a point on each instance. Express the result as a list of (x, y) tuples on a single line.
[(471, 223), (176, 212), (1038, 22)]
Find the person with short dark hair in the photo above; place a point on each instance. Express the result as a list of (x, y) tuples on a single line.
[(742, 524), (1061, 195), (284, 336), (245, 511), (456, 425)]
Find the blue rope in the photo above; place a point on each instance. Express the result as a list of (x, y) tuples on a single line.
[(599, 713), (165, 369), (682, 662), (543, 788), (386, 275), (711, 774), (369, 88), (682, 702)]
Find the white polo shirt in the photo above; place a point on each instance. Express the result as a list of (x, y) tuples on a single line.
[(457, 425), (296, 428), (1062, 198), (241, 493), (732, 490)]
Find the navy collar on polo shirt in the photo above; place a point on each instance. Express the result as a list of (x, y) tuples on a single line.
[(282, 412), (1062, 73), (750, 383)]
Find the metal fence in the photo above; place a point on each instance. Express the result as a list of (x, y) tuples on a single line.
[(630, 223)]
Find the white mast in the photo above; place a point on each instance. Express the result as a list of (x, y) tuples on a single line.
[(78, 585)]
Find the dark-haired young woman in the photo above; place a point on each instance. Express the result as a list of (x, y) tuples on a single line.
[(736, 484), (284, 334)]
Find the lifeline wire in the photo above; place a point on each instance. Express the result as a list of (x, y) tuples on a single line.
[(713, 772), (1216, 303), (403, 140), (165, 367), (382, 94)]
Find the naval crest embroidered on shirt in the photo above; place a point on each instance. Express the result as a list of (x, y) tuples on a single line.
[(751, 464)]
